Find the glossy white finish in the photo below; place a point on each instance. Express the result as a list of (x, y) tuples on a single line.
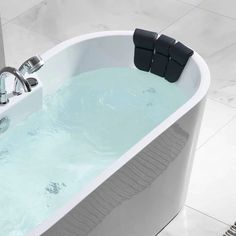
[(135, 205)]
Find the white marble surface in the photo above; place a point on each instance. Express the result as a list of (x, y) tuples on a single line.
[(212, 186), (192, 223), (11, 8), (216, 116), (60, 19), (204, 31), (223, 72), (224, 7)]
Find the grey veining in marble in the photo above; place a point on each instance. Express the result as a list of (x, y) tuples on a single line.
[(11, 8), (60, 19), (20, 44), (223, 73), (204, 31), (192, 223)]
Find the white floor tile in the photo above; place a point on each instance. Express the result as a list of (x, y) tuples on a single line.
[(224, 7), (192, 223), (12, 8), (223, 74), (61, 20), (216, 116), (212, 186), (204, 31), (20, 44)]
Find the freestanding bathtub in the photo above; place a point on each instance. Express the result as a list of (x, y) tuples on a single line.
[(142, 191)]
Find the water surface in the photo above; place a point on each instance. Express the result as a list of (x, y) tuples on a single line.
[(83, 128)]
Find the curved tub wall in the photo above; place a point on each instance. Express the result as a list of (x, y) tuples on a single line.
[(146, 187), (142, 196), (89, 54), (113, 50)]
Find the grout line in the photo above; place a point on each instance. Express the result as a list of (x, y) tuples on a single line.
[(216, 132), (221, 103), (220, 50), (178, 19), (216, 13), (192, 4), (215, 100), (187, 3), (212, 217)]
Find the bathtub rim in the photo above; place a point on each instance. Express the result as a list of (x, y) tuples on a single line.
[(197, 97)]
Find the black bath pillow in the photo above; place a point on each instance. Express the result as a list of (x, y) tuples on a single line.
[(163, 56), (144, 47)]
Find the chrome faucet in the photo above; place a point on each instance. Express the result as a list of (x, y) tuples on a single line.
[(18, 76), (30, 66)]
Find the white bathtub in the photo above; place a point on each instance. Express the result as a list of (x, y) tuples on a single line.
[(132, 197)]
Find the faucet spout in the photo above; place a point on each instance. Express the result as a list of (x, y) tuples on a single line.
[(3, 75)]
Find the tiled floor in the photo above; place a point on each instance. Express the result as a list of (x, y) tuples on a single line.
[(208, 26)]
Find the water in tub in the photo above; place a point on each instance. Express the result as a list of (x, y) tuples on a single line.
[(84, 127)]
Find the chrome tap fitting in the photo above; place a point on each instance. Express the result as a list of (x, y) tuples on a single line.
[(18, 76), (30, 66)]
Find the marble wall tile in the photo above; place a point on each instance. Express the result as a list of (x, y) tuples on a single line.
[(216, 116), (224, 7), (212, 186), (21, 44), (192, 223), (204, 31), (12, 8), (61, 19), (2, 55)]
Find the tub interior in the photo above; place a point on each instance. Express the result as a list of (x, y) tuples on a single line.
[(90, 117), (103, 52)]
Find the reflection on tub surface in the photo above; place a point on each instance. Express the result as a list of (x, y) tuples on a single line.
[(133, 178)]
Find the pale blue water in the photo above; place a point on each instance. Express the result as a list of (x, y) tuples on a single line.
[(83, 128)]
